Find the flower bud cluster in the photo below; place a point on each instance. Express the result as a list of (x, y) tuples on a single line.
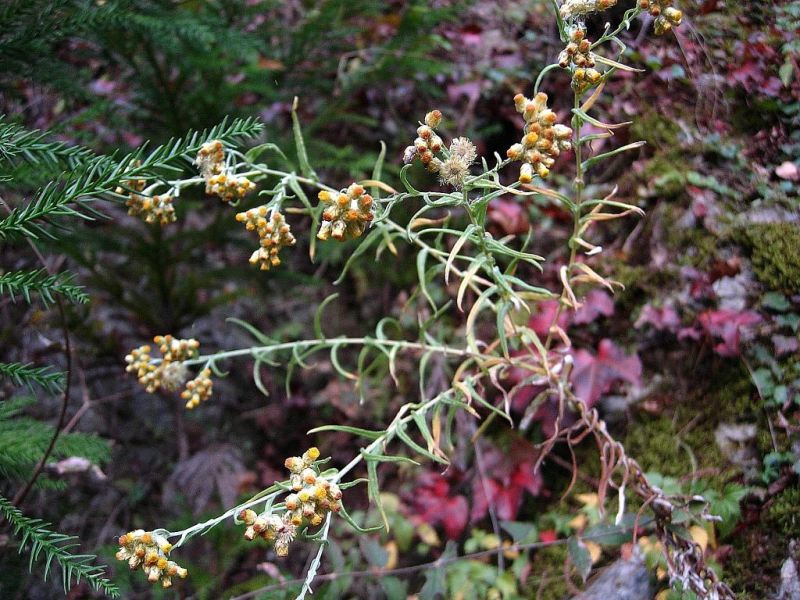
[(149, 551), (171, 372), (152, 209), (347, 215), (428, 142), (543, 138), (312, 497), (229, 187), (579, 57), (273, 231), (219, 180), (572, 8), (666, 15), (198, 389)]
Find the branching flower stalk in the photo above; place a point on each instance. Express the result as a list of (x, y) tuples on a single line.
[(485, 270)]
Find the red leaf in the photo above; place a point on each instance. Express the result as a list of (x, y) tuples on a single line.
[(664, 318), (594, 375), (433, 504), (543, 319), (728, 325), (597, 303), (510, 216), (454, 518)]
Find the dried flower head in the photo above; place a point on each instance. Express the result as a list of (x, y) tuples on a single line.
[(573, 8), (463, 149), (666, 16), (149, 551), (211, 158), (347, 215), (273, 231), (543, 138)]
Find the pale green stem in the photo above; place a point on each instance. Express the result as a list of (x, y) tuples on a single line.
[(361, 341)]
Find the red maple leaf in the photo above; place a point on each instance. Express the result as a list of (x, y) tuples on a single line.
[(593, 375)]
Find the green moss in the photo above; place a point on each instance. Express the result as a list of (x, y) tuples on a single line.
[(775, 254), (782, 516), (656, 130), (548, 563), (641, 283), (667, 173), (733, 399), (655, 446), (753, 569)]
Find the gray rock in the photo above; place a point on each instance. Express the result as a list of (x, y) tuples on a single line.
[(623, 580)]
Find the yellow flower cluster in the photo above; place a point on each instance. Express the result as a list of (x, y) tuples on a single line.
[(572, 8), (229, 187), (274, 233), (149, 551), (347, 215), (666, 15), (219, 180), (313, 497), (198, 389), (154, 209), (543, 138), (578, 54), (170, 373)]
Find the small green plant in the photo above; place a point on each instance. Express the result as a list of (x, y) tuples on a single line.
[(492, 286)]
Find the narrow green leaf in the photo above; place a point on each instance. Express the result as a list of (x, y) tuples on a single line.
[(302, 156), (594, 160), (318, 315), (343, 513), (365, 433)]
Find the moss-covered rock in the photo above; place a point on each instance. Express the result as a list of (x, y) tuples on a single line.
[(775, 254)]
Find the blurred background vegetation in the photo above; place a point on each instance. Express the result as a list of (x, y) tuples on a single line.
[(710, 309)]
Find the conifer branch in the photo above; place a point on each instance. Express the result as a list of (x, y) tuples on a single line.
[(99, 176), (26, 375), (25, 283), (39, 540)]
